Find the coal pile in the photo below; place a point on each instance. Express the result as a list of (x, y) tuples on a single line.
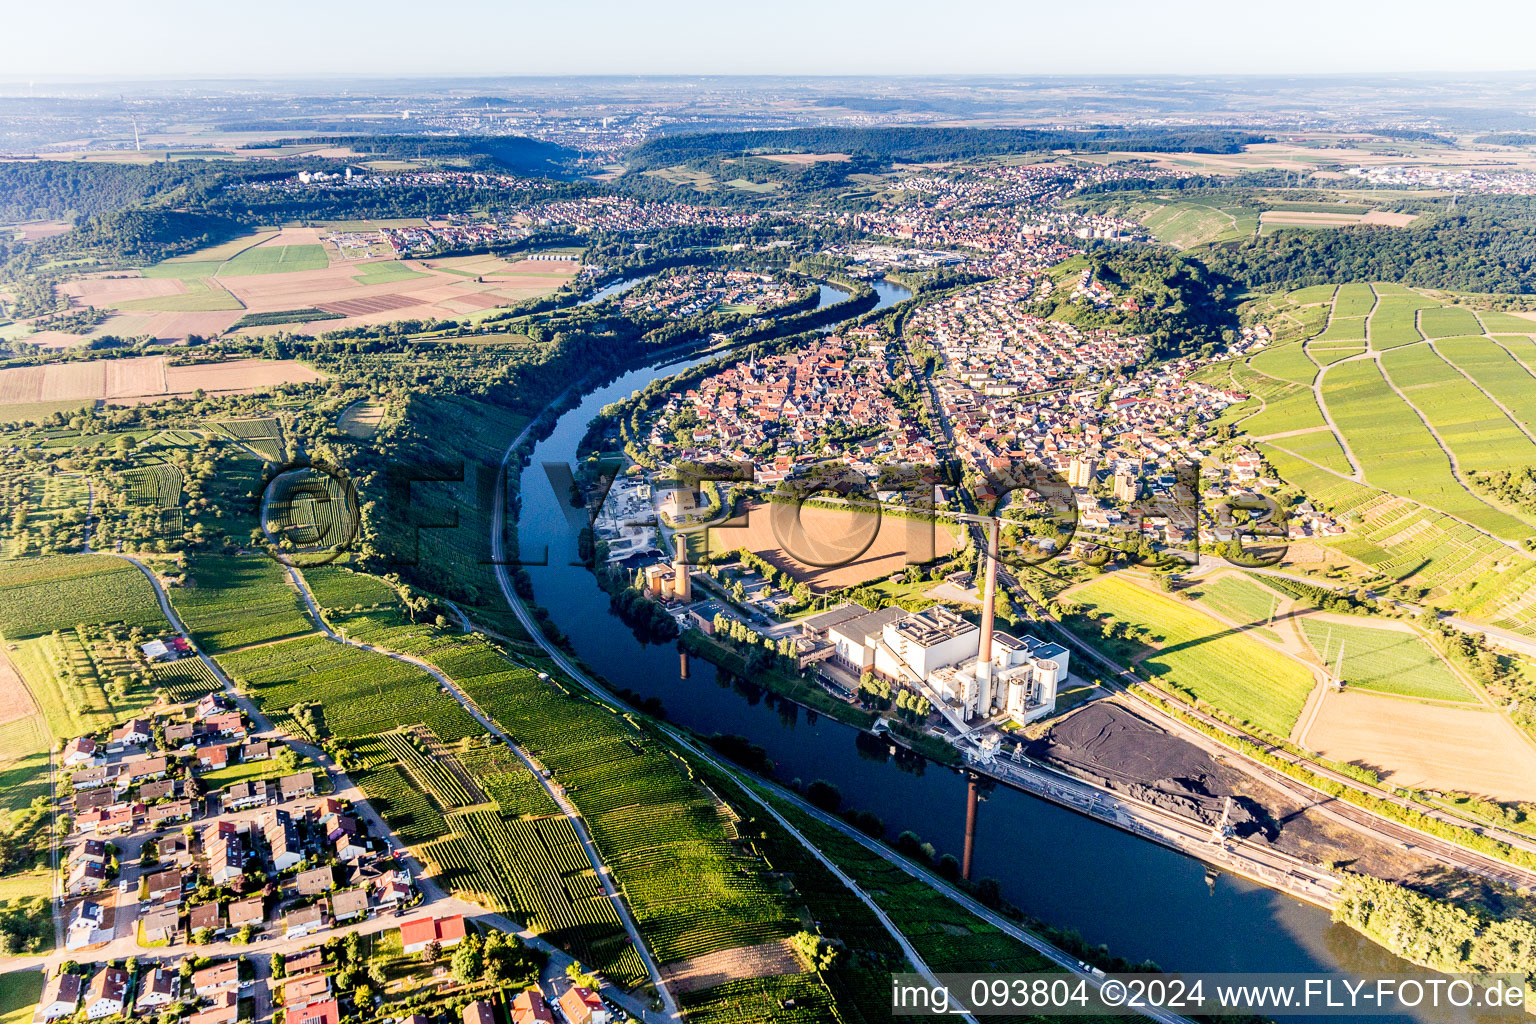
[(1113, 747)]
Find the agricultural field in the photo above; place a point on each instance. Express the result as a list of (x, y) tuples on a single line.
[(157, 484), (336, 586), (1192, 652), (39, 595), (361, 420), (1319, 446), (233, 600), (1237, 599), (1327, 355), (1342, 328), (1388, 659), (1353, 300), (19, 992), (362, 693), (1396, 537), (1459, 749), (1287, 362), (140, 379), (411, 815), (1496, 371), (74, 691), (1395, 321), (1186, 224), (535, 870), (311, 514), (185, 679), (1480, 436), (1398, 454), (24, 748), (507, 781), (267, 258), (1448, 322), (1506, 323), (668, 842), (1285, 411)]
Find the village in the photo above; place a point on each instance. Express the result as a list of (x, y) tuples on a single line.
[(215, 870)]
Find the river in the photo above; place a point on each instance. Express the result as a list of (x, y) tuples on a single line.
[(1143, 901)]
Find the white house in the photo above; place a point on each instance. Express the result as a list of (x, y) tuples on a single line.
[(107, 991)]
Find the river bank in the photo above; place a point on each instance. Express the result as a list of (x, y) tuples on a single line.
[(1141, 899)]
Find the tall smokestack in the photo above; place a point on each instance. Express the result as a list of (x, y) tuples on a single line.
[(682, 583), (989, 593)]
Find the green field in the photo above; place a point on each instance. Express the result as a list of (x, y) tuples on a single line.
[(1499, 373), (1448, 321), (1396, 451), (1353, 300), (19, 993), (1313, 293), (1239, 600), (1295, 410), (1186, 224), (24, 746), (1385, 659), (1500, 323), (385, 272), (39, 595), (335, 586), (1478, 433), (1327, 355), (276, 259), (1350, 328), (1320, 447), (1393, 323), (229, 601), (364, 693), (1287, 362), (200, 297), (1203, 658)]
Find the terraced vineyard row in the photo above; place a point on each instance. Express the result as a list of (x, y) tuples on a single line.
[(391, 792), (186, 679), (431, 775), (536, 871), (691, 887)]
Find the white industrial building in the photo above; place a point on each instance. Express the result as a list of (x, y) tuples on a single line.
[(941, 650)]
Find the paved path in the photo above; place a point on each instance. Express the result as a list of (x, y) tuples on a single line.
[(554, 789)]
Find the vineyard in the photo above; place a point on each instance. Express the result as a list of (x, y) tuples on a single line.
[(263, 436), (39, 595), (335, 586), (312, 510), (536, 871), (363, 693), (230, 601), (692, 888), (186, 679), (507, 780), (410, 814), (783, 999), (430, 774), (158, 484)]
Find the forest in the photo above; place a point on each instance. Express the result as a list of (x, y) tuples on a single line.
[(911, 144), (1482, 246)]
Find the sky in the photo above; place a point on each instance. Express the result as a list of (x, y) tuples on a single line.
[(395, 38)]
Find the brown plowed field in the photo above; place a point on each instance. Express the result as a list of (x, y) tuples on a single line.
[(705, 972)]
